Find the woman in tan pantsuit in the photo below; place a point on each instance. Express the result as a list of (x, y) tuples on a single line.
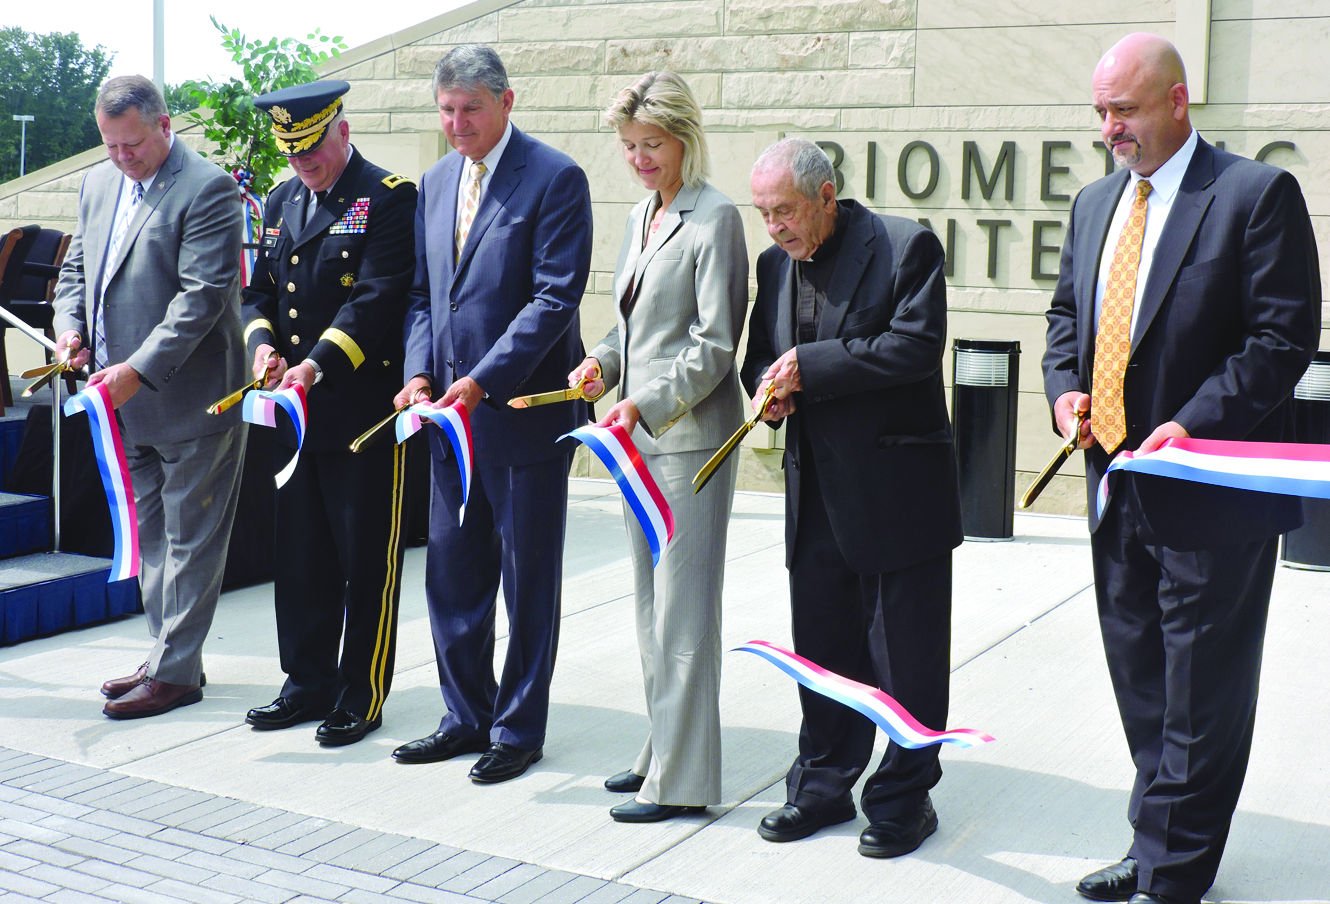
[(682, 289)]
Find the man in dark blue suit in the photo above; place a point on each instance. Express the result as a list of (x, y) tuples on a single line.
[(1220, 315), (503, 249)]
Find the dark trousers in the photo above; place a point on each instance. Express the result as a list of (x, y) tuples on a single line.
[(513, 532), (1183, 632), (337, 575), (889, 630)]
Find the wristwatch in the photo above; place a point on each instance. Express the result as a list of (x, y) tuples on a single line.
[(314, 366)]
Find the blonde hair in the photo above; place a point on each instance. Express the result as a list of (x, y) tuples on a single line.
[(664, 100)]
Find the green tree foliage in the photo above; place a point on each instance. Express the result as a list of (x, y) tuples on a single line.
[(54, 78), (225, 110)]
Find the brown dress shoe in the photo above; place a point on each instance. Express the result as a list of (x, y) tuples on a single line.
[(152, 698), (118, 687)]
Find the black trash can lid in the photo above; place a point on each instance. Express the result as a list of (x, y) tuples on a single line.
[(987, 345)]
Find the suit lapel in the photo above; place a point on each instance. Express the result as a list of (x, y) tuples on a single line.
[(628, 273), (1091, 248), (1189, 207), (786, 328), (851, 263), (671, 222), (166, 177), (507, 176)]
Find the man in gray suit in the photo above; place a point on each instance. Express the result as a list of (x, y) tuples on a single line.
[(149, 293)]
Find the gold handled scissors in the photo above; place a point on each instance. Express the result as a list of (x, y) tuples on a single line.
[(229, 401), (572, 394), (1046, 475), (713, 463)]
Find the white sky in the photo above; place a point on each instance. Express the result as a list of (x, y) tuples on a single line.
[(193, 46)]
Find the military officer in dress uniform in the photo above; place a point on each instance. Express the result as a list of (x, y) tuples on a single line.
[(324, 310)]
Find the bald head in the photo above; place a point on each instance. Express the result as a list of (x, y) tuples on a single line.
[(1151, 55), (1140, 94)]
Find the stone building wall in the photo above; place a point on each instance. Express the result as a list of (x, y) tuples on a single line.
[(971, 114)]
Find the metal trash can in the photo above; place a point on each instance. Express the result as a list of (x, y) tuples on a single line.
[(1309, 546), (985, 379)]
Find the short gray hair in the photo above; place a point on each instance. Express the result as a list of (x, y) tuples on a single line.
[(809, 166), (130, 92), (469, 67), (664, 100)]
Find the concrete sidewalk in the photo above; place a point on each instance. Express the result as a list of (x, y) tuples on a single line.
[(195, 806)]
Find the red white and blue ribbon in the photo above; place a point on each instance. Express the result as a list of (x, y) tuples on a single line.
[(260, 408), (877, 705), (1290, 469), (456, 423), (110, 455), (615, 449), (253, 214)]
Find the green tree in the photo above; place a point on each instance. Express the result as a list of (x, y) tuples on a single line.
[(225, 111), (54, 78)]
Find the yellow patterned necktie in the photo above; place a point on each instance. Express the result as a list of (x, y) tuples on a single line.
[(469, 208), (1112, 343)]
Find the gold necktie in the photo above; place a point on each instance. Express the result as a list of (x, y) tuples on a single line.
[(468, 213), (1112, 343)]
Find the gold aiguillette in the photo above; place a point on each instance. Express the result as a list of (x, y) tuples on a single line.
[(1051, 468), (732, 443), (571, 394)]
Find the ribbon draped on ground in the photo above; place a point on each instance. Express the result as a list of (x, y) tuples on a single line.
[(616, 451), (877, 705), (260, 407), (1290, 469), (110, 454), (456, 423)]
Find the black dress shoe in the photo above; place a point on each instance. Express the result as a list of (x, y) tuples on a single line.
[(344, 727), (790, 823), (637, 811), (502, 762), (283, 713), (1112, 883), (626, 782), (438, 747), (1145, 897), (899, 835)]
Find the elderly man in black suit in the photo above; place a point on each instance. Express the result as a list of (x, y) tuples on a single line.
[(848, 327), (1188, 304)]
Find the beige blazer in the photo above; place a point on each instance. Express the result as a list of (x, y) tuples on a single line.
[(681, 302)]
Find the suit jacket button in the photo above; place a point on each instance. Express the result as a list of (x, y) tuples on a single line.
[(453, 306), (295, 258), (290, 287), (295, 340), (293, 313), (346, 254)]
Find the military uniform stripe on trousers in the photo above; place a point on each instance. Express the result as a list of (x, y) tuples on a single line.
[(389, 598)]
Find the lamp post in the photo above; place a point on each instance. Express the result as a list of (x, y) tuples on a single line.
[(23, 141)]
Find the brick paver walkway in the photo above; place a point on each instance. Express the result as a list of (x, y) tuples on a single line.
[(78, 835)]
